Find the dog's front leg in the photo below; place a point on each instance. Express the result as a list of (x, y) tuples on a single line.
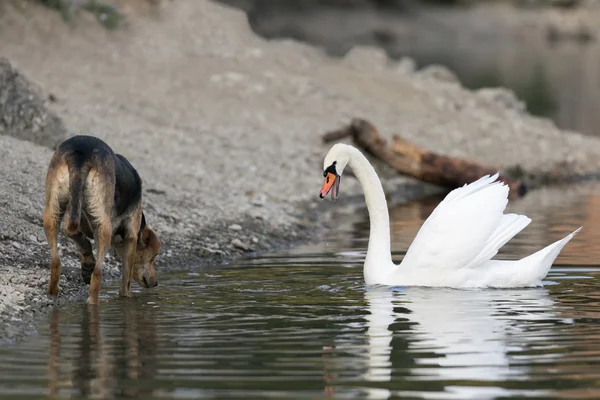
[(128, 259)]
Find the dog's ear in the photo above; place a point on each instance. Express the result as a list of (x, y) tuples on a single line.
[(150, 239), (143, 223), (142, 230)]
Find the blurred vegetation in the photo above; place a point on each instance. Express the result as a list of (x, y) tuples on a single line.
[(107, 14), (394, 5)]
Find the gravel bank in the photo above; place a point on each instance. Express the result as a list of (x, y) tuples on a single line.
[(224, 129)]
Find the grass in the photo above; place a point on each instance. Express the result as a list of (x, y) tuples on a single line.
[(107, 14)]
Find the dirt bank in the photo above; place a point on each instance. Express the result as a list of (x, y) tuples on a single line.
[(224, 129), (550, 56)]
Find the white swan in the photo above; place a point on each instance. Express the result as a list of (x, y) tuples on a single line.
[(455, 245)]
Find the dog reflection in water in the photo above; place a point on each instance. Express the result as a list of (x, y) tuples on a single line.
[(106, 354)]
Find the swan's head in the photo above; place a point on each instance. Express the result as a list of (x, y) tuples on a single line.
[(335, 161)]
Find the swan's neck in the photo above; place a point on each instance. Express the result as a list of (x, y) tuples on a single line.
[(378, 253)]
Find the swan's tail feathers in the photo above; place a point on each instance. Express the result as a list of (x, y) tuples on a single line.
[(544, 258), (509, 226)]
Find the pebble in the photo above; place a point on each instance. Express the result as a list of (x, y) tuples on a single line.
[(212, 250), (235, 227), (259, 200), (237, 243)]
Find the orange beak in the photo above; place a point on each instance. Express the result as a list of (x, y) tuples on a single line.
[(331, 181)]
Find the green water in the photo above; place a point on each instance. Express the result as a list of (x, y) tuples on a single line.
[(301, 324)]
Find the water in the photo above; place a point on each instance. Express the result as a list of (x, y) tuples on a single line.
[(302, 325)]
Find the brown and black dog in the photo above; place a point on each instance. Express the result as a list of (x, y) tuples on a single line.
[(99, 194)]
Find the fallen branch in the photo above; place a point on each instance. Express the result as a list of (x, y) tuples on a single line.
[(411, 160)]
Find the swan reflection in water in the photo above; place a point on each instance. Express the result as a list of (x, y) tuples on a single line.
[(450, 336)]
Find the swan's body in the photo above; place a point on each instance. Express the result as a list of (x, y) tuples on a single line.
[(455, 245)]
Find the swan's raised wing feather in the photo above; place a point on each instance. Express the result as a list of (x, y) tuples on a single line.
[(465, 230)]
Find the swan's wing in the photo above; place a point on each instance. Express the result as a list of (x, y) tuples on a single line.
[(466, 229)]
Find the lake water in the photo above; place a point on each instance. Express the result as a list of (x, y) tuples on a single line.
[(301, 324)]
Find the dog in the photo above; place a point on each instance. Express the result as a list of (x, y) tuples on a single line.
[(99, 195)]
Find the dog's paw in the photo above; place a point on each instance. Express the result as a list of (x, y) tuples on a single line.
[(124, 293), (91, 301)]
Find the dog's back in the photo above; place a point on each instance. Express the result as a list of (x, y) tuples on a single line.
[(77, 160), (82, 147)]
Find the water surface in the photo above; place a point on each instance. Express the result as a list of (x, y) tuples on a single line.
[(301, 324)]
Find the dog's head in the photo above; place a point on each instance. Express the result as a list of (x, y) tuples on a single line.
[(148, 248)]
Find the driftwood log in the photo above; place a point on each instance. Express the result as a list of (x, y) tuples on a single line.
[(416, 162)]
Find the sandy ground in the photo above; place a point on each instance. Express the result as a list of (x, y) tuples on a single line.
[(224, 129)]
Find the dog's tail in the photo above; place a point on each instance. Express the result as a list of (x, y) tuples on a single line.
[(77, 176)]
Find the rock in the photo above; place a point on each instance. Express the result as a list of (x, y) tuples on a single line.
[(237, 243), (503, 97), (366, 58), (405, 66), (259, 200), (212, 250), (23, 113), (254, 239), (439, 73), (235, 227), (574, 26)]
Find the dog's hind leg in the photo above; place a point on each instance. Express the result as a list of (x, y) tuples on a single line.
[(103, 236), (86, 253), (101, 192), (53, 214)]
